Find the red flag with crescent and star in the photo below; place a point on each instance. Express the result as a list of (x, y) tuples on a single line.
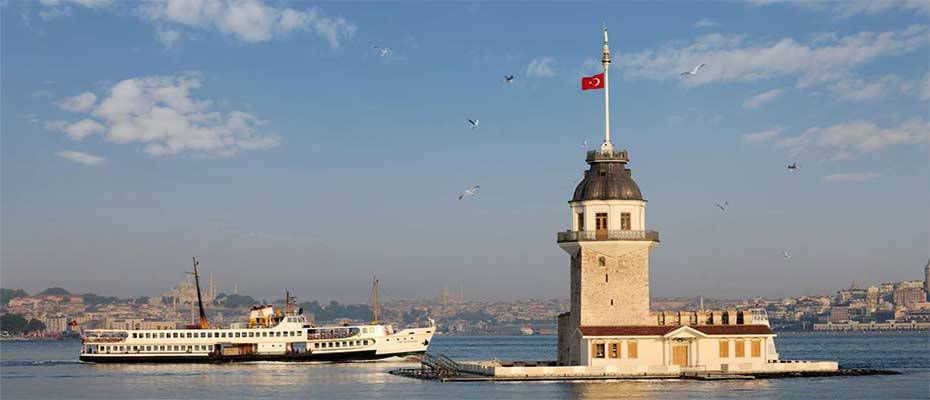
[(592, 82)]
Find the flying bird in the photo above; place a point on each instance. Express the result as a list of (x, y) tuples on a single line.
[(473, 123), (472, 191), (722, 207), (584, 144), (786, 255), (694, 71), (383, 51), (793, 167), (508, 79)]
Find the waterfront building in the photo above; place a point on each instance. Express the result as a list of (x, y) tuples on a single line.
[(927, 280), (610, 323)]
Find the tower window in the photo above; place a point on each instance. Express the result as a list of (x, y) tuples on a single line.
[(601, 262), (611, 301), (625, 222), (581, 221), (602, 172), (605, 278), (598, 350)]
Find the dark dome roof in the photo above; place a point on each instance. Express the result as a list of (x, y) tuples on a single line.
[(607, 181)]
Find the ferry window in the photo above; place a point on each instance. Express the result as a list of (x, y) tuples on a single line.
[(148, 348), (316, 345), (599, 350), (724, 348), (740, 348), (134, 336), (237, 334), (251, 334), (625, 223), (337, 344), (756, 348), (209, 334), (264, 334), (162, 348), (632, 349), (161, 335), (188, 334), (615, 350), (147, 335), (278, 334)]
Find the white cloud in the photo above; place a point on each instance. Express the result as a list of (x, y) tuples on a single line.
[(77, 130), (81, 158), (851, 8), (860, 90), (542, 67), (159, 113), (167, 37), (762, 98), (85, 3), (848, 139), (918, 87), (706, 23), (54, 13), (852, 177), (761, 136), (250, 21), (733, 59), (80, 103)]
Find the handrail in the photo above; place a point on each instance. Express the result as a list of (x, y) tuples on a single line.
[(441, 364), (579, 236)]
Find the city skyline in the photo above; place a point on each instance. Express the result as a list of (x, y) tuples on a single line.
[(285, 151)]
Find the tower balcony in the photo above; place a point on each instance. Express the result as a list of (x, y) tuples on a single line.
[(584, 236), (607, 156)]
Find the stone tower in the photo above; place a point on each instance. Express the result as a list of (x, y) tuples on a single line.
[(608, 243), (609, 249)]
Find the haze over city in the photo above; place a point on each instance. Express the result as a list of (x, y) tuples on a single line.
[(282, 148)]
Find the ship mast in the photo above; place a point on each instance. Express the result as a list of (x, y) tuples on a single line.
[(375, 306), (203, 315)]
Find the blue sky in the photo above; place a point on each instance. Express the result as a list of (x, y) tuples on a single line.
[(272, 140)]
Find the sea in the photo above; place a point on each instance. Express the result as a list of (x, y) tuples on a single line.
[(51, 370)]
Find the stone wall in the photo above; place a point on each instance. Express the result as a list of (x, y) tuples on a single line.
[(616, 293)]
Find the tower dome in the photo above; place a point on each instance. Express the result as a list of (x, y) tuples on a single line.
[(608, 178)]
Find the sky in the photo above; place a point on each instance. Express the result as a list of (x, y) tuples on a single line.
[(275, 142)]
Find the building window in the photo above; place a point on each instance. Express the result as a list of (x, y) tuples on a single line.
[(598, 350), (614, 349), (601, 262), (580, 221), (724, 348), (606, 279), (740, 348), (625, 222), (611, 301), (756, 348), (632, 350), (600, 221)]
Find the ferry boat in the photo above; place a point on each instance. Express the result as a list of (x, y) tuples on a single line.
[(272, 334)]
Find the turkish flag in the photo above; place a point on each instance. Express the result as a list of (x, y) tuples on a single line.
[(592, 82)]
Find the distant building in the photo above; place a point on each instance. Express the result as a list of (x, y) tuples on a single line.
[(927, 280), (839, 315), (56, 324), (906, 295)]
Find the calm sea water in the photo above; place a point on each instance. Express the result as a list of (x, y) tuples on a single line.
[(49, 370)]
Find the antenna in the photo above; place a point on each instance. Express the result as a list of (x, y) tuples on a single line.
[(375, 306), (605, 60), (203, 315)]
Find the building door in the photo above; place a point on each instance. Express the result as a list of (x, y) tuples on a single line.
[(600, 226), (680, 355)]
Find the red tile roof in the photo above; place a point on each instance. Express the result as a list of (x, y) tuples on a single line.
[(661, 330)]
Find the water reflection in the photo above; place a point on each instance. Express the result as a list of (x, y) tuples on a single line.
[(667, 388)]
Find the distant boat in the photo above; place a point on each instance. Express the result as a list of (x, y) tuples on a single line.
[(527, 330)]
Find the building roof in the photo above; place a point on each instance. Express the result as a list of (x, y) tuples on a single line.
[(607, 181), (662, 330)]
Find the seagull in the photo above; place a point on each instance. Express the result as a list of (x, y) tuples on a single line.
[(472, 191), (508, 79), (786, 254), (584, 144), (694, 71), (473, 123), (722, 207), (793, 167), (383, 51)]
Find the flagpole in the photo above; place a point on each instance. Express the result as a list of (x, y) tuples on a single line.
[(605, 60)]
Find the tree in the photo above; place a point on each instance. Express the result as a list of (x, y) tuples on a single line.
[(35, 325), (93, 299), (55, 291), (238, 300), (13, 323), (9, 294)]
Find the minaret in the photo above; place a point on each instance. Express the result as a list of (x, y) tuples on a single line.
[(608, 244)]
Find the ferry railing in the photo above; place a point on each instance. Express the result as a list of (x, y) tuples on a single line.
[(580, 236)]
